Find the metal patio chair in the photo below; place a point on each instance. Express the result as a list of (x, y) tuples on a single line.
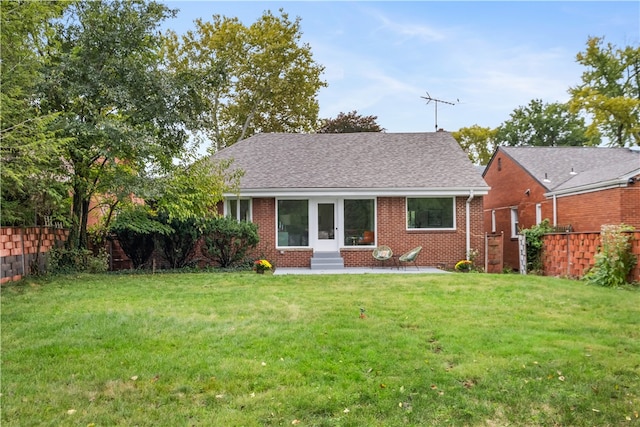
[(411, 256), (383, 254)]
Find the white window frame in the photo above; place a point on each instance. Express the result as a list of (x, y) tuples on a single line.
[(538, 213), (514, 223), (236, 214), (493, 221), (406, 214), (278, 226), (342, 226)]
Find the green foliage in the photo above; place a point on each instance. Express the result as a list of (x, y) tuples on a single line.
[(350, 123), (29, 146), (67, 261), (227, 241), (115, 103), (136, 228), (540, 124), (610, 91), (535, 244), (614, 261), (193, 190), (179, 245), (256, 78), (479, 143)]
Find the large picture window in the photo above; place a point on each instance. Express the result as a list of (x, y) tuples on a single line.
[(239, 209), (359, 222), (293, 223), (430, 213)]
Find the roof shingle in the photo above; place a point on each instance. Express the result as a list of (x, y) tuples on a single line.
[(590, 165), (353, 161)]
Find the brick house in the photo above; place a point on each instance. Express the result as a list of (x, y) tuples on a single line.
[(345, 194), (580, 187)]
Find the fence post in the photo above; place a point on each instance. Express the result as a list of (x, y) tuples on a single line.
[(522, 251), (24, 263)]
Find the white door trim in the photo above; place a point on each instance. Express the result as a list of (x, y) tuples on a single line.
[(328, 242)]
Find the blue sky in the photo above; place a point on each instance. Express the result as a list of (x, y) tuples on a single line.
[(488, 58)]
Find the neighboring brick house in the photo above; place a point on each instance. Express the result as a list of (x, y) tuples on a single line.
[(581, 187), (344, 194)]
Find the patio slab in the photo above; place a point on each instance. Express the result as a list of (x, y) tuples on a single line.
[(364, 270)]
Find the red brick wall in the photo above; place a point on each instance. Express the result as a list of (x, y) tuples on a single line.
[(264, 215), (573, 254), (587, 212), (584, 212), (509, 184), (439, 248), (630, 202), (19, 247)]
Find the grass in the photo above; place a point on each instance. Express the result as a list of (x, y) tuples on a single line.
[(247, 350)]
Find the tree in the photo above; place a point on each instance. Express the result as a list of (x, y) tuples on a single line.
[(177, 207), (29, 148), (254, 79), (479, 143), (610, 91), (193, 190), (118, 106), (350, 123), (539, 124)]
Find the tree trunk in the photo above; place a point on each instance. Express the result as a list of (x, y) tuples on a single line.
[(79, 209)]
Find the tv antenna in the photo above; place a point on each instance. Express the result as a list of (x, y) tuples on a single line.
[(429, 99)]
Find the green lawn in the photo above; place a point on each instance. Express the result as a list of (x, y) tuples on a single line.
[(243, 349)]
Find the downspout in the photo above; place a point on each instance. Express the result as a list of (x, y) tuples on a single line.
[(555, 210), (468, 218)]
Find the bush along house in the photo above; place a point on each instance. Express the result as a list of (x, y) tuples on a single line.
[(329, 199)]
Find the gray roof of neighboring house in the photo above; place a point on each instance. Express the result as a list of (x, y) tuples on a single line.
[(592, 166), (354, 161)]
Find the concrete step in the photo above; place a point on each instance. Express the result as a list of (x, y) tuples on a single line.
[(327, 261)]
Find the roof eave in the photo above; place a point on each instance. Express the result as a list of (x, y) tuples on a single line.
[(598, 186), (360, 192)]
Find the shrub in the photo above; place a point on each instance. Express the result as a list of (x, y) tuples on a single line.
[(66, 261), (227, 241), (136, 228), (179, 245), (535, 243), (614, 261)]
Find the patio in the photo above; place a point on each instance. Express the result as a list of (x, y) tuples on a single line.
[(362, 270)]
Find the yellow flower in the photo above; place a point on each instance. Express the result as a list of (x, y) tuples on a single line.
[(463, 265), (263, 264)]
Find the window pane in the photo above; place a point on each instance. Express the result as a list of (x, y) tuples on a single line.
[(244, 214), (244, 210), (359, 222), (430, 212), (232, 208), (293, 223)]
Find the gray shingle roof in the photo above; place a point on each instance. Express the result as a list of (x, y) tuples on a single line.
[(591, 165), (353, 161)]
